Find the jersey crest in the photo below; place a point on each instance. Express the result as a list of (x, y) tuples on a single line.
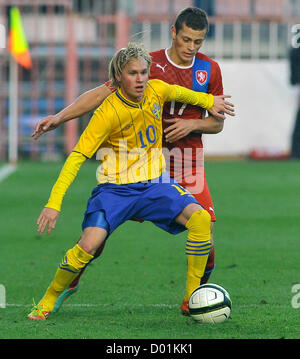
[(201, 77), (156, 110)]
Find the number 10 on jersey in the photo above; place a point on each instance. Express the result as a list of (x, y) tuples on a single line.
[(148, 137)]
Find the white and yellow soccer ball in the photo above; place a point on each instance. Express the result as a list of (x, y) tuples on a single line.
[(210, 303)]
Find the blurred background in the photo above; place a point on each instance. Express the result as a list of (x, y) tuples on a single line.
[(72, 41)]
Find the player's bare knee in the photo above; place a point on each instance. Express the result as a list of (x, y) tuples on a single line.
[(91, 239), (186, 214)]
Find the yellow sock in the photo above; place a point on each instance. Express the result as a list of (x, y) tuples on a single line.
[(198, 246), (74, 260)]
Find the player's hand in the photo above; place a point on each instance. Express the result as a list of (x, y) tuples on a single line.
[(48, 217), (178, 129), (221, 107), (46, 124)]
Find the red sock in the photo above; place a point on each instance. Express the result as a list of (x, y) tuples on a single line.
[(209, 266)]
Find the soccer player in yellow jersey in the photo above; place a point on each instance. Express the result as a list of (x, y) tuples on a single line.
[(126, 130)]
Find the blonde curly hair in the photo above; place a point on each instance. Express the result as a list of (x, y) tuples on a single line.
[(121, 59)]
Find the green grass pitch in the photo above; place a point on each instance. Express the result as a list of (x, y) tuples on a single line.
[(134, 290)]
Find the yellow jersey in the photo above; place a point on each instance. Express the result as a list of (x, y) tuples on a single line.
[(127, 137)]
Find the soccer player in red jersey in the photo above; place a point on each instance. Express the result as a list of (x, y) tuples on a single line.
[(183, 64), (184, 125)]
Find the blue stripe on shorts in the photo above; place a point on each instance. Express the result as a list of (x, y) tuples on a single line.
[(95, 219)]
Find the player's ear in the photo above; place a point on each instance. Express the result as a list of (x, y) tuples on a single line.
[(118, 77), (173, 32)]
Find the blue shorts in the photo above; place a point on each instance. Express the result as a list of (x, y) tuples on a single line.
[(159, 201)]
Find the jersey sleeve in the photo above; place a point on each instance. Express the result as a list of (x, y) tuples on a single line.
[(215, 86), (65, 179), (191, 97), (182, 94)]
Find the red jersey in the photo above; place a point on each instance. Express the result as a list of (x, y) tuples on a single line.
[(203, 75)]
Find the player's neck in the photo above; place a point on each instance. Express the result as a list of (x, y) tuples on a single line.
[(133, 99), (173, 56)]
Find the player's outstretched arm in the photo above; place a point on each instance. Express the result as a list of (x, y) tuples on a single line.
[(83, 104), (216, 105), (221, 107)]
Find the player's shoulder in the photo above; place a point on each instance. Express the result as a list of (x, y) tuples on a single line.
[(203, 57), (107, 105), (214, 66), (157, 84), (157, 55), (157, 87)]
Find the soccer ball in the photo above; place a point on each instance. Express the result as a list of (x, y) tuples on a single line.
[(210, 303)]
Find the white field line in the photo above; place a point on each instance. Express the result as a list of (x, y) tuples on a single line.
[(133, 305), (6, 170), (129, 305)]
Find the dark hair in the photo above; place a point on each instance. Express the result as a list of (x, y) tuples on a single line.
[(192, 17)]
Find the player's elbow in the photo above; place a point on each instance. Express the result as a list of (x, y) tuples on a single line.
[(219, 126)]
